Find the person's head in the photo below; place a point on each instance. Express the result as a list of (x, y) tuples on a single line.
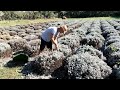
[(63, 29)]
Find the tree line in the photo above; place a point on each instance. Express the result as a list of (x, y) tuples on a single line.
[(13, 15)]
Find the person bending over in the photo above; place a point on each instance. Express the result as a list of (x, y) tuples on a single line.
[(49, 37)]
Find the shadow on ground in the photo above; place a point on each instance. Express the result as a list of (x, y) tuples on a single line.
[(18, 60), (60, 73)]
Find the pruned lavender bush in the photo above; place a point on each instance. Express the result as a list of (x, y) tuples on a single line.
[(117, 20), (97, 30), (108, 31), (80, 31), (27, 49), (114, 23), (37, 31), (45, 63), (112, 37), (2, 29), (17, 44), (14, 29), (16, 37), (5, 37), (28, 31), (85, 66), (118, 28), (72, 40), (114, 47), (18, 26), (30, 37), (37, 27), (22, 26), (5, 50), (114, 59), (53, 61), (21, 34), (22, 30), (31, 27), (93, 39), (65, 49), (32, 47), (110, 41), (112, 34), (91, 50), (87, 24), (107, 26), (12, 33), (1, 40), (38, 35), (5, 33)]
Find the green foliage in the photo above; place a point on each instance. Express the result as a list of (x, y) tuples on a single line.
[(118, 62), (113, 48), (84, 14), (13, 15)]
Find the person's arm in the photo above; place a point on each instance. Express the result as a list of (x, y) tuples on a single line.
[(54, 40), (55, 37)]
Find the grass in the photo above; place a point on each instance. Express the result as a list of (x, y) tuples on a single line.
[(6, 23), (94, 18), (10, 73)]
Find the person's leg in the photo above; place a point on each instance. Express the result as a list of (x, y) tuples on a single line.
[(49, 45), (42, 45)]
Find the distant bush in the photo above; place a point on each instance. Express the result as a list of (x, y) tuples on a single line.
[(13, 15)]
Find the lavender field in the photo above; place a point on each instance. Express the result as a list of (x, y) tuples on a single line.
[(89, 50)]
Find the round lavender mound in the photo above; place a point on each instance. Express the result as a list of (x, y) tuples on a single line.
[(91, 50), (85, 66), (94, 40), (45, 63), (65, 49), (108, 31), (5, 50), (17, 44), (114, 59), (112, 37), (112, 34), (32, 47), (110, 41), (72, 40)]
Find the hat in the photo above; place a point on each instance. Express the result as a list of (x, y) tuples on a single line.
[(64, 27)]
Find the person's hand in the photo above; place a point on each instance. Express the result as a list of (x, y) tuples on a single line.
[(56, 46)]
